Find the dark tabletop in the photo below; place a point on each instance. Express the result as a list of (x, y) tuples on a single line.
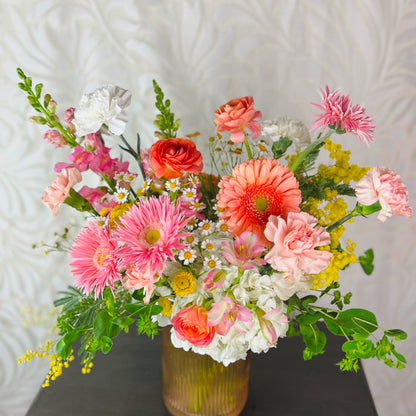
[(128, 382)]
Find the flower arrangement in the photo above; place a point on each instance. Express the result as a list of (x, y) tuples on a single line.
[(234, 253)]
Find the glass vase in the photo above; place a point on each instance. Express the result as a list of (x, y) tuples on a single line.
[(194, 384)]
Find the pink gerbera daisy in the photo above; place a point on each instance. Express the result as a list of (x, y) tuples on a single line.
[(149, 233), (339, 113), (93, 260), (255, 190)]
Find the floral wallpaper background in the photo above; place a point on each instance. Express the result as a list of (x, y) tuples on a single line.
[(203, 53)]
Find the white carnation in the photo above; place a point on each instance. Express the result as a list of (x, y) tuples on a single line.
[(287, 284), (106, 105), (291, 128)]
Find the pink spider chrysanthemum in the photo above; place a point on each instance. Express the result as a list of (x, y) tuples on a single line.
[(255, 190), (94, 261), (149, 233), (340, 113)]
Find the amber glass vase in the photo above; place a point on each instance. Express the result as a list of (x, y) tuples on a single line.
[(195, 384)]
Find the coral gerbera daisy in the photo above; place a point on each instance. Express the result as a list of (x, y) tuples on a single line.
[(149, 233), (93, 260), (338, 112), (255, 190)]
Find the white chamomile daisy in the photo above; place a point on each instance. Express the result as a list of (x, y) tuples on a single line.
[(101, 221), (172, 185), (207, 227), (189, 194), (212, 262), (194, 180), (208, 244), (188, 256), (121, 195), (190, 240), (223, 227)]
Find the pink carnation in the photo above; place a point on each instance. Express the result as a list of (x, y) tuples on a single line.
[(383, 185), (295, 241), (56, 194), (136, 278), (338, 112), (237, 115)]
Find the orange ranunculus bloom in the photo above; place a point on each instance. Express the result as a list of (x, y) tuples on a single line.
[(168, 158), (237, 115), (191, 324)]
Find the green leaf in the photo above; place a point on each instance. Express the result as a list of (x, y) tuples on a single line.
[(308, 319), (359, 320), (398, 334), (64, 345), (314, 339), (358, 348), (103, 326), (137, 309), (75, 200), (400, 357), (279, 147), (106, 344), (366, 261)]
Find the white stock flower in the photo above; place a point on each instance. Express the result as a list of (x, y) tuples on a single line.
[(291, 128), (105, 105)]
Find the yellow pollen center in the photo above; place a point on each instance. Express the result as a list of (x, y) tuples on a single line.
[(206, 227), (224, 227), (187, 255), (190, 239), (212, 264), (209, 246), (172, 185), (261, 204), (152, 236), (189, 194), (121, 195)]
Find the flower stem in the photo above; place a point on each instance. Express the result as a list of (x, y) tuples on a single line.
[(309, 149), (250, 155)]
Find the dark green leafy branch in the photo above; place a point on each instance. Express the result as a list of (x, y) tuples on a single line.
[(96, 322), (165, 121), (47, 109), (358, 326)]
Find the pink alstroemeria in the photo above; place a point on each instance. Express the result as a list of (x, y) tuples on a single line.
[(244, 252), (226, 314), (269, 321), (340, 113), (102, 163), (214, 279)]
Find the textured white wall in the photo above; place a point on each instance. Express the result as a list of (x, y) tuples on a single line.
[(204, 53)]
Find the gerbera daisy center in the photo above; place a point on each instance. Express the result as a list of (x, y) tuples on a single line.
[(152, 236), (261, 204)]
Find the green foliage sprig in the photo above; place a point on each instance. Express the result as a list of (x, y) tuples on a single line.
[(165, 121), (358, 326), (97, 321), (47, 108)]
